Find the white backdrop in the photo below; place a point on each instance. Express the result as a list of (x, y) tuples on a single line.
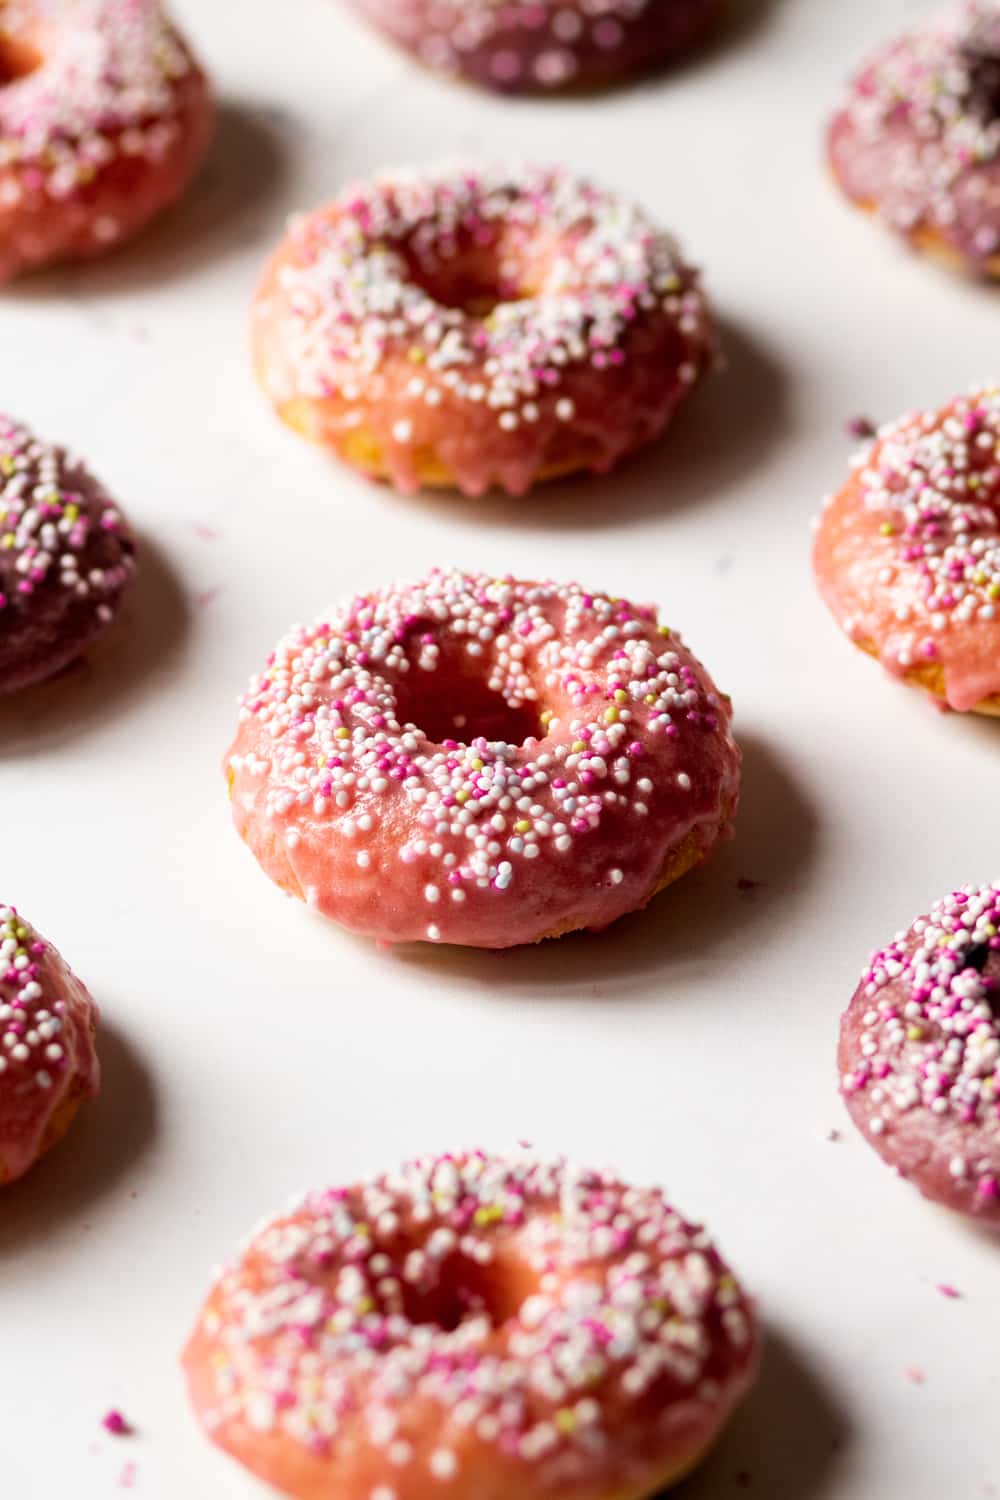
[(251, 1050)]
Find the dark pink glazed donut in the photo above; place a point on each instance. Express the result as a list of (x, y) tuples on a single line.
[(66, 556), (104, 116), (533, 46), (920, 1052), (48, 1065), (483, 761), (917, 139)]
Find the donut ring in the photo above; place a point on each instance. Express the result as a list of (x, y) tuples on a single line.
[(907, 554), (917, 139), (48, 1065), (473, 1325), (537, 46), (482, 761), (66, 557), (104, 116), (477, 328), (920, 1053)]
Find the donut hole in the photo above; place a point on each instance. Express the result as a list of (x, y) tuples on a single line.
[(472, 281), (466, 1289), (17, 60), (455, 706)]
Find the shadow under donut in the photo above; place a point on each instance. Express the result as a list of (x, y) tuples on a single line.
[(785, 1441), (748, 880), (113, 674), (105, 1139)]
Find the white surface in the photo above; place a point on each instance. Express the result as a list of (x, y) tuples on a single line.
[(251, 1050)]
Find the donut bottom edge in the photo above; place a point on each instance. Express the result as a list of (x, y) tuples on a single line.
[(930, 243), (363, 450), (928, 678), (57, 1127)]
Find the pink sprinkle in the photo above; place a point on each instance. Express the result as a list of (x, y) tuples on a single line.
[(127, 1477), (116, 1424), (915, 1375), (205, 533), (949, 1291)]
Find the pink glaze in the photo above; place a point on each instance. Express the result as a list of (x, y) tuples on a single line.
[(481, 761), (66, 557), (473, 1325), (104, 116), (920, 1053), (47, 1056), (479, 327), (907, 554), (918, 136), (535, 46)]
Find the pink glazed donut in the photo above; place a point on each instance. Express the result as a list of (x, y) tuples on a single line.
[(534, 46), (917, 139), (482, 761), (920, 1053), (48, 1065), (104, 116), (470, 328), (907, 553), (66, 558), (469, 1326)]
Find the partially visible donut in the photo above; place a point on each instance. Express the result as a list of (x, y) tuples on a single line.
[(479, 327), (48, 1064), (920, 1052), (473, 1326), (917, 139), (535, 46), (104, 116), (66, 557), (907, 553), (483, 761)]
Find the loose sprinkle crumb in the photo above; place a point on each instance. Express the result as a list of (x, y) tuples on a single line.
[(116, 1424)]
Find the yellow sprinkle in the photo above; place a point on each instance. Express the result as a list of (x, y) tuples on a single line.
[(620, 695), (994, 590), (342, 733), (579, 745), (489, 1214), (522, 826), (8, 540), (477, 765), (72, 512), (6, 464), (915, 1033), (461, 796), (610, 715), (887, 528), (663, 629), (565, 1419)]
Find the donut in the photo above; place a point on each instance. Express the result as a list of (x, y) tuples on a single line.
[(482, 761), (473, 1325), (66, 557), (920, 1053), (917, 138), (104, 116), (48, 1065), (537, 46), (469, 328), (907, 554)]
